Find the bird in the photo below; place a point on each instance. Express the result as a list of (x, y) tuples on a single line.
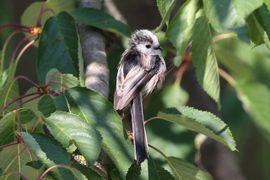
[(140, 70)]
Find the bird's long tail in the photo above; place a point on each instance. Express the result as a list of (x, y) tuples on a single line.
[(139, 134)]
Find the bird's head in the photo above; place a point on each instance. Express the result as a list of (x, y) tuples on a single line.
[(146, 42)]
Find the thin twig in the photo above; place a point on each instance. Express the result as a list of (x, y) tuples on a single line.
[(150, 119), (227, 77), (10, 144)]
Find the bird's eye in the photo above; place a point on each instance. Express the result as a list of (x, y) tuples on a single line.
[(147, 46)]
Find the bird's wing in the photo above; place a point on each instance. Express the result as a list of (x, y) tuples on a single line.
[(130, 81)]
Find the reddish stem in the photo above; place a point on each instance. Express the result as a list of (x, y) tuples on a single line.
[(18, 27), (25, 39), (19, 98), (10, 144), (24, 49), (27, 80)]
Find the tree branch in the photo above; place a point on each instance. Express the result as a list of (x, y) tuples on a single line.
[(93, 51)]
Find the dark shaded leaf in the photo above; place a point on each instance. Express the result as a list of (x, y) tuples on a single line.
[(157, 172), (263, 16), (46, 105), (26, 115), (98, 111), (100, 19), (202, 122), (35, 164), (58, 46), (256, 31), (68, 128)]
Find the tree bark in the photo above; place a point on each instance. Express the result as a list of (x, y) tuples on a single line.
[(94, 55)]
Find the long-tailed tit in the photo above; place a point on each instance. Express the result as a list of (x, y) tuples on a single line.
[(140, 70)]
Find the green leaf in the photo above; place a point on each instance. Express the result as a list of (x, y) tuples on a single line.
[(263, 16), (89, 173), (245, 8), (165, 8), (202, 122), (7, 128), (157, 172), (267, 2), (173, 96), (139, 172), (61, 5), (184, 170), (9, 92), (58, 46), (68, 128), (35, 164), (100, 19), (13, 159), (180, 28), (26, 115), (256, 101), (204, 58), (60, 82), (31, 13), (256, 31), (48, 151), (98, 111), (223, 17), (46, 105)]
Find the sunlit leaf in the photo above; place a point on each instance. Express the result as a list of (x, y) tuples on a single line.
[(68, 128), (31, 14), (100, 19), (98, 111), (202, 122), (245, 8), (184, 170), (61, 5), (204, 58), (180, 27), (58, 46)]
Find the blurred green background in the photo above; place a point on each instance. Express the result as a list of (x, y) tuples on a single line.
[(245, 62)]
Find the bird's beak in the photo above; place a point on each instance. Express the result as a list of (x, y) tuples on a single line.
[(158, 47)]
